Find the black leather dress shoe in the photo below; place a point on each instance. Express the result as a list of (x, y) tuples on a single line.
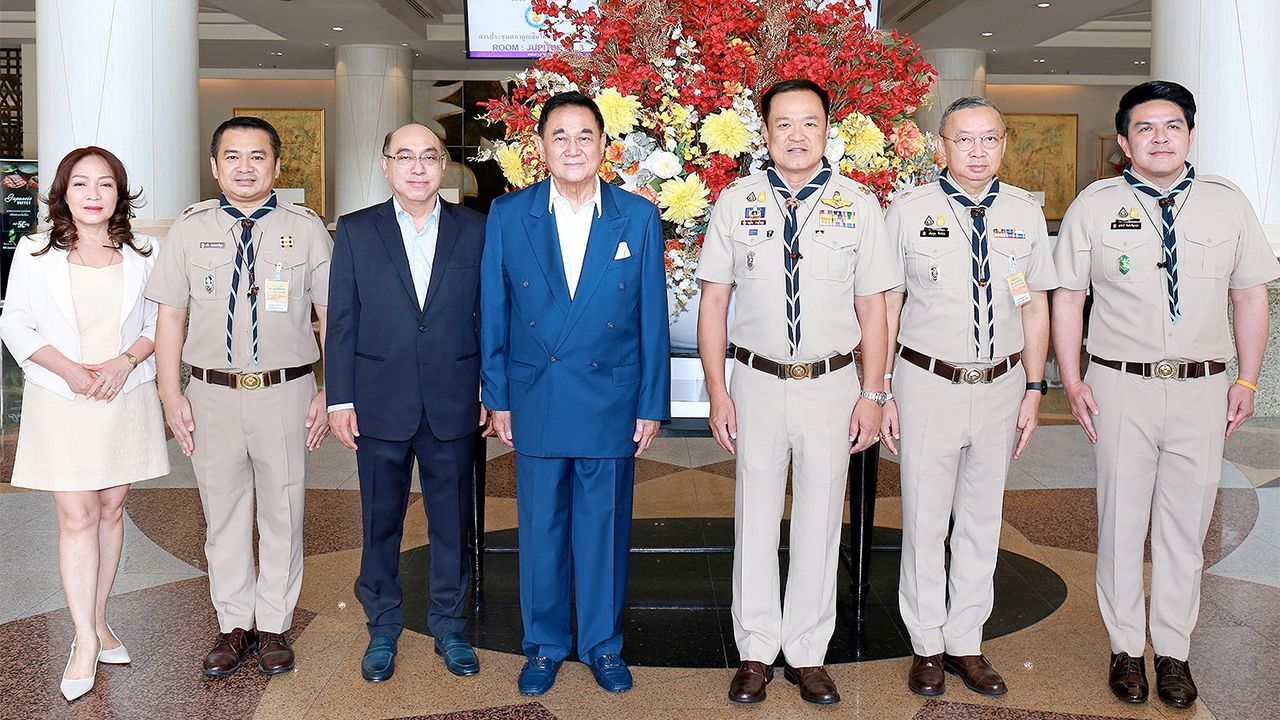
[(748, 684), (1128, 678), (1173, 682)]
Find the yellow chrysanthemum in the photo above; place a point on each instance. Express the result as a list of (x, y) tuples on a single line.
[(863, 140), (674, 114), (512, 164), (682, 199), (724, 132), (620, 112)]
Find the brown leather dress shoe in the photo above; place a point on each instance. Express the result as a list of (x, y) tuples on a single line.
[(748, 684), (229, 650), (1173, 682), (976, 672), (274, 654), (1128, 678), (925, 677), (816, 686)]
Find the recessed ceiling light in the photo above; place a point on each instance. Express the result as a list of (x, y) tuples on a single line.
[(326, 44), (987, 34), (404, 44), (336, 28), (994, 50), (1139, 62), (1042, 5), (1039, 60)]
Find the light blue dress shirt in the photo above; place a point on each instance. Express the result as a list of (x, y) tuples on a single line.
[(419, 246)]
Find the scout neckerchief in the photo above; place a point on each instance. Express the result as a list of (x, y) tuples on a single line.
[(1167, 217), (981, 280), (791, 237), (245, 256)]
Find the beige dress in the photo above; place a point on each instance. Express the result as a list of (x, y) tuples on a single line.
[(86, 444)]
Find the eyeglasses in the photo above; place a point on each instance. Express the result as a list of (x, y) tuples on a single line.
[(965, 143), (405, 160)]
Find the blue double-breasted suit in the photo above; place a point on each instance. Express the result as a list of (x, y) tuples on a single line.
[(575, 374)]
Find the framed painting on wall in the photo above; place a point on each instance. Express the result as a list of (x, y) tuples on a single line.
[(1041, 157), (1111, 159), (301, 149)]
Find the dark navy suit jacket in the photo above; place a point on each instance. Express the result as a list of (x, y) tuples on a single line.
[(385, 355), (575, 374)]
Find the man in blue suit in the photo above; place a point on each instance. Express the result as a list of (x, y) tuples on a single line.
[(402, 369), (576, 371)]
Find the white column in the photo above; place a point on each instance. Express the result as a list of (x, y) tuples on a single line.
[(122, 74), (1226, 52), (373, 94), (962, 72)]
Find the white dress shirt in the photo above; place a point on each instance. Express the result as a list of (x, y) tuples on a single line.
[(573, 229), (419, 245)]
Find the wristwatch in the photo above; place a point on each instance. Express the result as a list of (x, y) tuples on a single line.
[(879, 398), (133, 359), (1042, 386)]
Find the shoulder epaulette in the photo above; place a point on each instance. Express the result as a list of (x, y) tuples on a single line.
[(210, 204), (302, 210)]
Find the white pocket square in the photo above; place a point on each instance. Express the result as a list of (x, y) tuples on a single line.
[(623, 252)]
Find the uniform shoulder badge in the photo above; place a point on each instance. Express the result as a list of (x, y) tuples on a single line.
[(202, 205)]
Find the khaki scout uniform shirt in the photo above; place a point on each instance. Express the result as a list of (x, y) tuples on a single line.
[(931, 237), (845, 252), (1221, 246), (194, 270)]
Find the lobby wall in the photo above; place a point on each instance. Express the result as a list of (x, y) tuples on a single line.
[(1095, 104), (220, 96)]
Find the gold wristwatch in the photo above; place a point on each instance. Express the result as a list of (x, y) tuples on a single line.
[(133, 360)]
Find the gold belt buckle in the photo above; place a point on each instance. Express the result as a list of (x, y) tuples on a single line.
[(250, 381), (1165, 370), (972, 376), (800, 371)]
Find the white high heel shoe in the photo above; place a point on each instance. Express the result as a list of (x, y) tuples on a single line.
[(73, 689), (117, 655)]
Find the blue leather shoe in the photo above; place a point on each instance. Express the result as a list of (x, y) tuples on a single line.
[(458, 654), (379, 661), (538, 675), (611, 673)]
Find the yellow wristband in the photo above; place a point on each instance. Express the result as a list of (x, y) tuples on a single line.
[(1247, 384)]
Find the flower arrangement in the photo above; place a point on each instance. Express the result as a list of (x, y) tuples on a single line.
[(678, 83)]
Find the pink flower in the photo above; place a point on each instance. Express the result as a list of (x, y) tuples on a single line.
[(906, 139)]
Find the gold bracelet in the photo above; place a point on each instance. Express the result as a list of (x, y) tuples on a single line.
[(1246, 383)]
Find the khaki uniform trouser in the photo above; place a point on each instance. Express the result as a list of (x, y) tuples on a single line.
[(251, 445), (957, 440), (804, 423), (1159, 459)]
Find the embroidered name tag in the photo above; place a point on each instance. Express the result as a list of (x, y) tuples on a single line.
[(1134, 224), (212, 245), (935, 232)]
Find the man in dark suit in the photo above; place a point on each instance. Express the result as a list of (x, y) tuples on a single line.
[(402, 370), (577, 373)]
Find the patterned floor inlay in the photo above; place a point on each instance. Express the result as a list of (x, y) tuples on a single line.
[(167, 630), (531, 711)]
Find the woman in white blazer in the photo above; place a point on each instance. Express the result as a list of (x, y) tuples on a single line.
[(75, 320)]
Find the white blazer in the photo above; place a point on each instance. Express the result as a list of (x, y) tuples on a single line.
[(38, 310)]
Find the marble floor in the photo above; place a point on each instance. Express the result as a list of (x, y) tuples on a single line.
[(1054, 661)]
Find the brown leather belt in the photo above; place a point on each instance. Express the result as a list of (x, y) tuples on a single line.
[(969, 376), (250, 381), (1165, 369), (792, 371)]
